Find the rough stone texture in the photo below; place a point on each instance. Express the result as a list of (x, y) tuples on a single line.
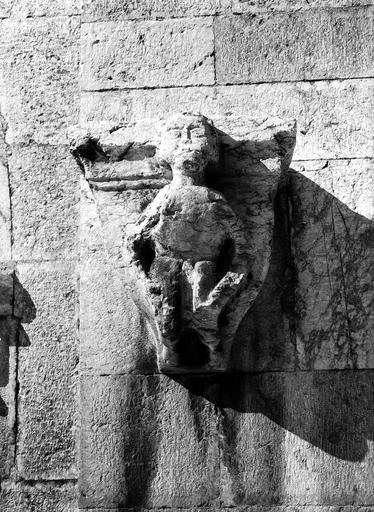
[(303, 438), (7, 402), (301, 46), (289, 441), (38, 78), (47, 406), (287, 438), (44, 185), (254, 508), (265, 339), (38, 497), (334, 119), (332, 222), (5, 6), (176, 52), (31, 9), (111, 323), (13, 311), (143, 9), (105, 326), (241, 6), (5, 222), (145, 441)]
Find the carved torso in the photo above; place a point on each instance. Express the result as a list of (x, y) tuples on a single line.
[(191, 223)]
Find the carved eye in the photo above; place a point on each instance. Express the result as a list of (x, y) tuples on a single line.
[(175, 133), (144, 253)]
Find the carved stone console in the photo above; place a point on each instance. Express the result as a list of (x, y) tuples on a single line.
[(199, 249)]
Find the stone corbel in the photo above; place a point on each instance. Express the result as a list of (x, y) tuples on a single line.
[(200, 250)]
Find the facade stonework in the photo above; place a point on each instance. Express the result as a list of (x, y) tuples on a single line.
[(102, 406)]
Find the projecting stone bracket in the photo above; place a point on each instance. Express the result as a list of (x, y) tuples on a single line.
[(200, 250)]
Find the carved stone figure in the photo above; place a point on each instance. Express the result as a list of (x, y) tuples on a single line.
[(200, 249), (191, 248)]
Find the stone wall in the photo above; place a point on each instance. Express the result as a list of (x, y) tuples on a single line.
[(292, 428)]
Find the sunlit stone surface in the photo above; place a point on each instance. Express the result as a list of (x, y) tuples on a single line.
[(122, 385)]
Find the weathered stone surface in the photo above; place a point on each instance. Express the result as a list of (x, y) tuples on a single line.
[(265, 339), (115, 336), (47, 406), (6, 289), (31, 9), (240, 6), (303, 438), (14, 309), (176, 52), (104, 217), (334, 119), (112, 339), (5, 221), (119, 9), (145, 441), (332, 222), (39, 497), (44, 183), (218, 268), (7, 401), (39, 78), (252, 508), (305, 45), (5, 7)]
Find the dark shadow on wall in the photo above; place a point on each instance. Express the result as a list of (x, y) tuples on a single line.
[(332, 410), (16, 308), (314, 312)]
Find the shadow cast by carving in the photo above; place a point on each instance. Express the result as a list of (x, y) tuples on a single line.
[(278, 358), (17, 308), (294, 351)]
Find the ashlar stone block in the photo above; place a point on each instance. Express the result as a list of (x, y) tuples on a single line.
[(332, 218), (45, 202), (43, 497), (41, 8), (142, 9), (39, 78), (254, 6), (334, 119), (11, 336), (176, 52), (304, 45), (7, 398), (146, 442), (115, 336), (252, 508), (293, 438), (5, 223), (47, 401)]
